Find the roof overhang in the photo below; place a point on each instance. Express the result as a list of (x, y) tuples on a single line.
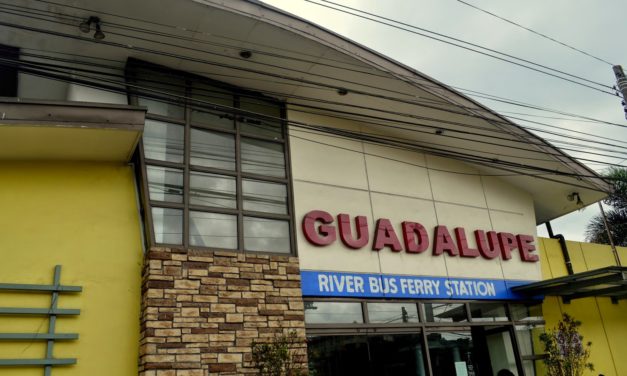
[(608, 282), (68, 131), (305, 65)]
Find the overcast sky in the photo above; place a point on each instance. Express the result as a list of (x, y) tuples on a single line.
[(596, 27)]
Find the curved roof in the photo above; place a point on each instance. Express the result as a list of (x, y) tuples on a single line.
[(305, 65)]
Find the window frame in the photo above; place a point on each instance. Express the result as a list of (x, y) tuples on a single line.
[(424, 327), (188, 103)]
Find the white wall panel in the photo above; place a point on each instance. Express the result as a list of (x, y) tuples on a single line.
[(346, 176)]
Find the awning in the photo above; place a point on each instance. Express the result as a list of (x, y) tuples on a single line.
[(38, 130), (608, 282)]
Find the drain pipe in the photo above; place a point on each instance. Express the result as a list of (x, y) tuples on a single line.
[(562, 241)]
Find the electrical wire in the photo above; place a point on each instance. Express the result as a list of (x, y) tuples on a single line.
[(364, 72), (526, 142), (471, 92), (396, 98), (472, 159), (477, 150), (554, 133), (536, 33), (464, 47)]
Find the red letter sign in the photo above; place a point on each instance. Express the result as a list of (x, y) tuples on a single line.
[(444, 242), (489, 249), (525, 245), (462, 244), (361, 225), (415, 237), (385, 236), (325, 234)]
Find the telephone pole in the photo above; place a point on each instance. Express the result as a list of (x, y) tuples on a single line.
[(621, 84)]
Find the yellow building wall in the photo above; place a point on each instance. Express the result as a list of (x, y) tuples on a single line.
[(603, 323), (84, 217)]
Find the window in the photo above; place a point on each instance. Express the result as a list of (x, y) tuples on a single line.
[(215, 163), (8, 73)]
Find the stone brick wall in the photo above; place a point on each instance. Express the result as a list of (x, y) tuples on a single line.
[(203, 310)]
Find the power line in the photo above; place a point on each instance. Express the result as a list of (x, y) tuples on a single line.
[(434, 127), (471, 92), (462, 138), (536, 33), (423, 85), (440, 109), (161, 42), (460, 156), (465, 47), (528, 149), (45, 13)]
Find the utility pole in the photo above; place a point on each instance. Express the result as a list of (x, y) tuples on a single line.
[(621, 83), (609, 235)]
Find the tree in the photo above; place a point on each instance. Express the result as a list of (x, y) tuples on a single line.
[(616, 216), (280, 356), (565, 352)]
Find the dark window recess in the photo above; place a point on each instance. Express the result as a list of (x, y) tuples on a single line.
[(215, 158), (8, 71)]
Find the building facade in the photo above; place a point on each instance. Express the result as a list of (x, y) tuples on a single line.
[(214, 177)]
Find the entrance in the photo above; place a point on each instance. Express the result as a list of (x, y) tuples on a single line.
[(414, 339), (368, 355), (471, 351), (461, 352)]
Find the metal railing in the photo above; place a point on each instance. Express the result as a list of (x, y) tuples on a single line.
[(53, 312)]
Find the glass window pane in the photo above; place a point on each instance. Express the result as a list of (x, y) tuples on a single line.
[(529, 339), (212, 149), (526, 312), (168, 225), (212, 190), (380, 355), (264, 196), (165, 184), (486, 312), (214, 119), (263, 126), (333, 313), (262, 157), (444, 312), (453, 353), (163, 141), (212, 230), (158, 85), (392, 313), (266, 235), (203, 111)]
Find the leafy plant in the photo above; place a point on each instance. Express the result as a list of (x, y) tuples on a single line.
[(280, 357), (616, 215), (566, 354)]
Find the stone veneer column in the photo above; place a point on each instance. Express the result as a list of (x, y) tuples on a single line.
[(202, 310)]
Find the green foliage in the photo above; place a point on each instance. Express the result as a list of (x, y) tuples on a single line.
[(566, 354), (616, 216), (277, 358)]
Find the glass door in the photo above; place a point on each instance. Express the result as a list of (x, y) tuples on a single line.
[(453, 353), (373, 355), (500, 347), (472, 351)]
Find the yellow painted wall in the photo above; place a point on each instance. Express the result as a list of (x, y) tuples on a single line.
[(603, 323), (84, 217)]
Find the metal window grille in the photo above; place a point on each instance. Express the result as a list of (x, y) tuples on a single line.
[(55, 289)]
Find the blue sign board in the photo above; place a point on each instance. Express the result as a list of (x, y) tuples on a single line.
[(320, 283)]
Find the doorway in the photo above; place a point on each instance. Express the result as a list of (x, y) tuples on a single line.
[(397, 354), (461, 351), (472, 351)]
